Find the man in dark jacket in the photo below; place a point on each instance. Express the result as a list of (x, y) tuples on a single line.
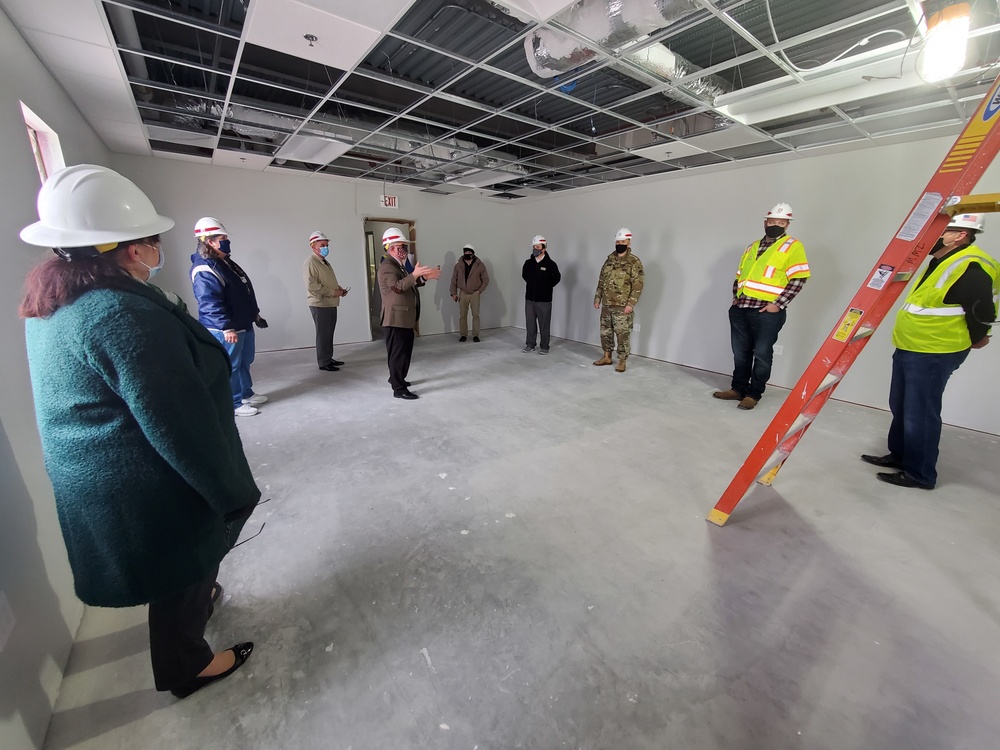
[(540, 274), (227, 307)]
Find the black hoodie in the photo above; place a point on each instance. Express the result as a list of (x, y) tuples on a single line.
[(540, 278)]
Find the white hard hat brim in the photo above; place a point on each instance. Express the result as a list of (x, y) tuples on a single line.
[(44, 236)]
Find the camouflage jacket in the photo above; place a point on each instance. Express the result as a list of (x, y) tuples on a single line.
[(621, 281)]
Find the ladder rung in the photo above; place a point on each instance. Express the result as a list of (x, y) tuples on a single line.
[(773, 462), (829, 381), (801, 422), (863, 333), (903, 276)]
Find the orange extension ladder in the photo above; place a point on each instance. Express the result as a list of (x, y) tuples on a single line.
[(958, 173)]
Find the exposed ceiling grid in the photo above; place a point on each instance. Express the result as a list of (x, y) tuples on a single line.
[(511, 98)]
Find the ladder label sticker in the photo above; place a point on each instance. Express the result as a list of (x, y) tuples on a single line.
[(848, 324), (922, 213), (993, 107), (881, 276)]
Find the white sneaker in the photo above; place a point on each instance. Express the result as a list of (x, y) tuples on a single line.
[(247, 411), (255, 399)]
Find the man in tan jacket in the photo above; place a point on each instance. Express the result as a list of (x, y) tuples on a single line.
[(468, 281), (323, 294), (399, 307)]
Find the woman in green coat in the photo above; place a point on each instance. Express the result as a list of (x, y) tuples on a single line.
[(135, 416)]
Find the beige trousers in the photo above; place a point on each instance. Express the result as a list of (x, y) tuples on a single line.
[(465, 301)]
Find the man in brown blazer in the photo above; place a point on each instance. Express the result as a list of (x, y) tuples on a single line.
[(399, 307)]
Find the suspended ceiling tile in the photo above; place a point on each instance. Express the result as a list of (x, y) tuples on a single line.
[(668, 151), (378, 15), (121, 144), (282, 24), (241, 160), (113, 127), (183, 137), (83, 57), (80, 21), (98, 98), (731, 137), (313, 150)]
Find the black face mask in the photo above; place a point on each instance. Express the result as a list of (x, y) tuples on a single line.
[(469, 256), (774, 231), (621, 249), (938, 245)]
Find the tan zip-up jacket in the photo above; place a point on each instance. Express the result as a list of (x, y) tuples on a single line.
[(321, 282)]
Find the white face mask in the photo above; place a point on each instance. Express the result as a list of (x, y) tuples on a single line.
[(153, 270)]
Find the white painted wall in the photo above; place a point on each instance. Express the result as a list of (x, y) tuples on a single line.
[(270, 216), (34, 572), (690, 231)]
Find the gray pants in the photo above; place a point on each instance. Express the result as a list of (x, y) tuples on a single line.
[(325, 319), (537, 316)]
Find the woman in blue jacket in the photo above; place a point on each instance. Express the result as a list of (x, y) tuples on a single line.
[(227, 307), (134, 411)]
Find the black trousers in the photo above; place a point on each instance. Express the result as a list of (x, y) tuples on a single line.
[(325, 319), (177, 645), (398, 349), (537, 316)]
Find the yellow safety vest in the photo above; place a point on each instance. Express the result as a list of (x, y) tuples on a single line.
[(766, 277), (926, 324)]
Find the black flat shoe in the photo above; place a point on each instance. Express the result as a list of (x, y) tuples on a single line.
[(476, 339), (889, 461), (241, 651), (405, 394), (901, 479), (330, 367), (336, 362)]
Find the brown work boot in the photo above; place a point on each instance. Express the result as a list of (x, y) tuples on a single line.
[(729, 395), (621, 365), (605, 360), (747, 403)]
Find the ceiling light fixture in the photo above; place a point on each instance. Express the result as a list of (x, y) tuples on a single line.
[(947, 41)]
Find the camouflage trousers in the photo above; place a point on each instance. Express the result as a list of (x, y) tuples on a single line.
[(616, 322)]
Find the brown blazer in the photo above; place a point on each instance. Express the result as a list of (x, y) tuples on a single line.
[(399, 298)]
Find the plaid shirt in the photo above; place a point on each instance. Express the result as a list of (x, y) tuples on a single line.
[(793, 288)]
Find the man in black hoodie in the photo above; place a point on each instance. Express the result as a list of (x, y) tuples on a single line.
[(540, 274)]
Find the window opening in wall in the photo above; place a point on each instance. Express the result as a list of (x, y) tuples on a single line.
[(44, 144)]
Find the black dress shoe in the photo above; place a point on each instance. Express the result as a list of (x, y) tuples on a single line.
[(901, 479), (405, 394), (336, 362), (462, 338), (330, 367), (889, 461), (241, 651), (476, 339)]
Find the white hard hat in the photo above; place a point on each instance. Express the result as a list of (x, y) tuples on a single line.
[(780, 211), (968, 221), (317, 236), (467, 246), (393, 234), (539, 240), (87, 205), (624, 234), (209, 226)]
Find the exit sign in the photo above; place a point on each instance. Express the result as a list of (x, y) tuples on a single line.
[(388, 201)]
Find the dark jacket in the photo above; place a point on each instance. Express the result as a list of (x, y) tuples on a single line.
[(540, 278), (226, 300), (399, 294), (136, 418)]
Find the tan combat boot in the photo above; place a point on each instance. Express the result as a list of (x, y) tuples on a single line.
[(621, 365), (605, 360), (729, 395)]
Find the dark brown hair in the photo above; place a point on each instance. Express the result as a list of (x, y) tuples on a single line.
[(55, 282)]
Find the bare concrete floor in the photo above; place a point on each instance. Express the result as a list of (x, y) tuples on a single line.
[(520, 560)]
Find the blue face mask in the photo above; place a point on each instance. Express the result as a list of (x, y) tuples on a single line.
[(153, 270), (324, 251), (224, 246)]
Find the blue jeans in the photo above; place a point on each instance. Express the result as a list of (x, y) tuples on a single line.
[(915, 394), (241, 355), (753, 335)]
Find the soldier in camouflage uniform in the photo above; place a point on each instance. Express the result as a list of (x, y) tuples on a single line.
[(618, 291)]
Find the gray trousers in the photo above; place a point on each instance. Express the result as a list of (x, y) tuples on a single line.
[(537, 316), (325, 319)]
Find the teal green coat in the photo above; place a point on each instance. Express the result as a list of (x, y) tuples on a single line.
[(136, 419)]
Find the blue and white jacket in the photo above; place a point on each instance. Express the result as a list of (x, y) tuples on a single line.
[(226, 300)]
